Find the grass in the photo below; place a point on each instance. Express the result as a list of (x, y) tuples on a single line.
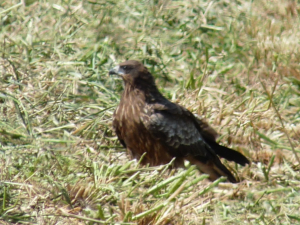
[(236, 63)]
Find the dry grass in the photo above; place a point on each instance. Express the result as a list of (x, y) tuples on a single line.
[(234, 62)]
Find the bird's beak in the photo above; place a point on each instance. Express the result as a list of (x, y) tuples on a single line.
[(116, 71)]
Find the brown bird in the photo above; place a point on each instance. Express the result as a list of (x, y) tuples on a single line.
[(145, 121)]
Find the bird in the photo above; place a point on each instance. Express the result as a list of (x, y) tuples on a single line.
[(155, 130)]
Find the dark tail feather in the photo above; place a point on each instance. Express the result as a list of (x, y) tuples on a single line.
[(223, 171), (214, 168), (229, 154)]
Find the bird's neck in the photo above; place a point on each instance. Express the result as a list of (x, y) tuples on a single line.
[(148, 92)]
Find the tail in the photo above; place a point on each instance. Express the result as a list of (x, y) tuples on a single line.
[(229, 154), (214, 168)]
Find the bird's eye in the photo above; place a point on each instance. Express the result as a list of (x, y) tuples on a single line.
[(126, 67)]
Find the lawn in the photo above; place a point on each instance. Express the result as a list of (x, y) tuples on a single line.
[(235, 63)]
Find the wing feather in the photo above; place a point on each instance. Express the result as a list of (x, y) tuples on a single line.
[(175, 127), (178, 130)]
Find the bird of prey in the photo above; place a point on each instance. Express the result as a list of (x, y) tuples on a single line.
[(146, 122)]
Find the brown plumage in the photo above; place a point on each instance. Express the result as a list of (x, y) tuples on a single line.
[(145, 121)]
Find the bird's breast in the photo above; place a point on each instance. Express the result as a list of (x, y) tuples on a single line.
[(129, 119)]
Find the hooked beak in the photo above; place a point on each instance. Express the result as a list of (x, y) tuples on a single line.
[(116, 71)]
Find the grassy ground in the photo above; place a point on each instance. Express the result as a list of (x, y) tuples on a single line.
[(234, 62)]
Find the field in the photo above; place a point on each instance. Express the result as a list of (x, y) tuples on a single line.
[(236, 63)]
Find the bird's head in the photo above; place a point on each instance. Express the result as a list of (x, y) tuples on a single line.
[(132, 72)]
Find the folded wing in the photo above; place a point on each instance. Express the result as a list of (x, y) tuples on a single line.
[(177, 129)]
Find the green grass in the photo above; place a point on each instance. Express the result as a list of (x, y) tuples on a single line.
[(236, 63)]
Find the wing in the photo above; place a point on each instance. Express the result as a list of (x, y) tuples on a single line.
[(176, 128)]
